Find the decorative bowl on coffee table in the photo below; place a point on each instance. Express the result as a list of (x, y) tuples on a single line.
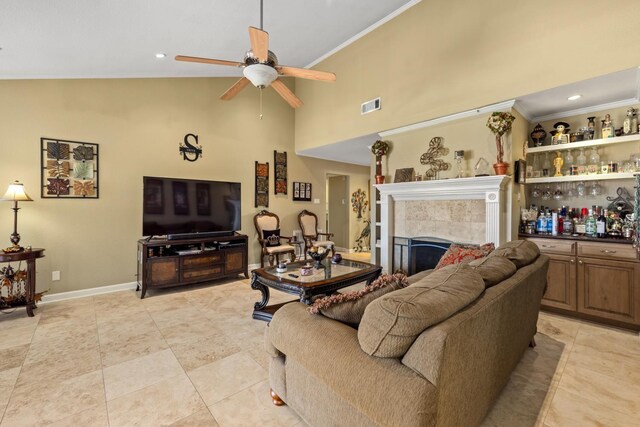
[(318, 254)]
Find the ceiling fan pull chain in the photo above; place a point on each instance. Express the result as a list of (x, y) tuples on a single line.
[(261, 102), (261, 15)]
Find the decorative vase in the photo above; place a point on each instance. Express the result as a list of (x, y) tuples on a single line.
[(379, 176), (501, 168)]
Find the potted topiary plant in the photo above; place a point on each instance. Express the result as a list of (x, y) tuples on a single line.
[(500, 123), (379, 149)]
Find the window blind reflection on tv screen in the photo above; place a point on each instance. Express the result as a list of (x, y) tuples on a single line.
[(173, 206)]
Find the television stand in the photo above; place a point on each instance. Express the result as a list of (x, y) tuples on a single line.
[(164, 263)]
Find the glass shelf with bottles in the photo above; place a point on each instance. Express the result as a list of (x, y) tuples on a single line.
[(585, 144), (579, 165)]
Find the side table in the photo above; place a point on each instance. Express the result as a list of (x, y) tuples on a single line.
[(30, 257)]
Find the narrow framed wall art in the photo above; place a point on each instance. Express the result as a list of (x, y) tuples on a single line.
[(262, 184)]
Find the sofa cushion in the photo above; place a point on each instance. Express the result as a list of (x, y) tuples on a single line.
[(493, 269), (520, 252), (461, 253), (349, 306), (392, 322), (419, 276)]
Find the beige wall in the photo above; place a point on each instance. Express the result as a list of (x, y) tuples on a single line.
[(441, 57), (138, 124), (338, 188)]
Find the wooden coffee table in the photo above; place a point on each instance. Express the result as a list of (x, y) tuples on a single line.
[(322, 282)]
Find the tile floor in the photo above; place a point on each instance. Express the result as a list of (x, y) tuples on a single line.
[(195, 357)]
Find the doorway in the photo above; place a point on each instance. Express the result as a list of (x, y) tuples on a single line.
[(337, 210)]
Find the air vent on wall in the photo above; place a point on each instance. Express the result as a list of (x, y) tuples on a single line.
[(370, 106)]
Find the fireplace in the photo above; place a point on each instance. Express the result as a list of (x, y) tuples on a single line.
[(415, 254), (465, 210)]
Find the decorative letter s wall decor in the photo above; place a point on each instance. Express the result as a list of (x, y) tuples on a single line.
[(189, 151)]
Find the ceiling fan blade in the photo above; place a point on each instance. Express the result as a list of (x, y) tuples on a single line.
[(235, 89), (259, 43), (209, 61), (304, 73), (286, 93)]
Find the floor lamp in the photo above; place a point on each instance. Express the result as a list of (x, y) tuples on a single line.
[(15, 193)]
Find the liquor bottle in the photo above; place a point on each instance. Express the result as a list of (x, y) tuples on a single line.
[(601, 224), (626, 124), (549, 223), (608, 131), (579, 224), (567, 224), (554, 223), (542, 223), (590, 225)]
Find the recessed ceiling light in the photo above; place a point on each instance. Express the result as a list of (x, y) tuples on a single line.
[(574, 97), (161, 55)]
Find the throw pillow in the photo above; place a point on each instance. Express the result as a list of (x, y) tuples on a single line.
[(519, 252), (493, 269), (349, 307), (463, 253), (272, 237)]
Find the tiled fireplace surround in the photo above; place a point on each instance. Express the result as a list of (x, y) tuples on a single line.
[(469, 210)]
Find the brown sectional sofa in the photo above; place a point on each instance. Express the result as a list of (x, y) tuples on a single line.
[(450, 376)]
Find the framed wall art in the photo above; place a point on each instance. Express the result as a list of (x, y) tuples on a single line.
[(280, 174), (69, 169), (262, 184), (301, 191)]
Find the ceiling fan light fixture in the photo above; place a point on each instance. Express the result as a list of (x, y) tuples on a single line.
[(260, 75)]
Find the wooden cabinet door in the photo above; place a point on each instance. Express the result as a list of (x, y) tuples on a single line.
[(163, 271), (561, 282), (609, 289), (234, 261)]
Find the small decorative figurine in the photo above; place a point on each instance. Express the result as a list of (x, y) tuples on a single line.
[(538, 135), (560, 134), (557, 163)]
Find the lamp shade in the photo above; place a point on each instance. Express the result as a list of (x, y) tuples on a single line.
[(15, 193)]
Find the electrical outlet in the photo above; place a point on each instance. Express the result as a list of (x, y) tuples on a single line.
[(55, 275), (316, 201)]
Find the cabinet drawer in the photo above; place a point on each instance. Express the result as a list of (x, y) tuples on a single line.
[(200, 261), (554, 246), (207, 273), (607, 251)]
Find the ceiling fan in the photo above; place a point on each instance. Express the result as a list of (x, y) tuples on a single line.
[(261, 68)]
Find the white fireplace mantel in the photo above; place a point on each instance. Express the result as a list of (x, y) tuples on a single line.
[(491, 189)]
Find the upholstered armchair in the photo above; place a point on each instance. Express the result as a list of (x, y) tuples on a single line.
[(271, 242), (309, 225)]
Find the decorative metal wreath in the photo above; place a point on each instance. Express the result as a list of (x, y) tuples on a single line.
[(436, 149)]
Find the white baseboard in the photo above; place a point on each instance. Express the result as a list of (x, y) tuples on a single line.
[(62, 296)]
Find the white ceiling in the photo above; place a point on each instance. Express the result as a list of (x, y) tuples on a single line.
[(119, 38)]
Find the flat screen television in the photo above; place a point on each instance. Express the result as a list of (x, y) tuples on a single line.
[(179, 208)]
